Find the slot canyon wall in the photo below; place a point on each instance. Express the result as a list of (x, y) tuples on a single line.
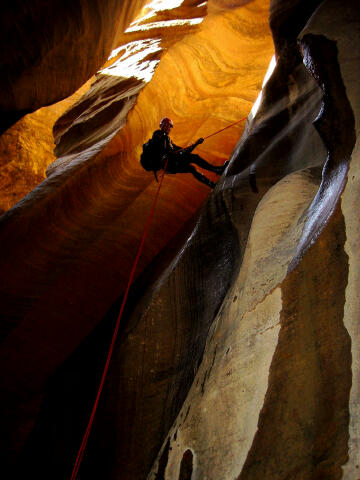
[(238, 354)]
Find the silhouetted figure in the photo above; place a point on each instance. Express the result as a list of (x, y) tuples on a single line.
[(180, 159)]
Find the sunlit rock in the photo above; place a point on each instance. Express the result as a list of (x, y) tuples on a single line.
[(48, 51), (26, 150), (94, 120)]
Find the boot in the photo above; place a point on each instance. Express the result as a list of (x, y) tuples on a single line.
[(199, 176), (220, 170), (209, 183)]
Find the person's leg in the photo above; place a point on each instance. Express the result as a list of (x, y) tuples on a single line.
[(200, 177), (194, 158), (182, 166)]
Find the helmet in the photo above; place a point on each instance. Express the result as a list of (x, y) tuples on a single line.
[(166, 122)]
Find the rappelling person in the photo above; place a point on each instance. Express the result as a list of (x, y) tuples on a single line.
[(179, 160)]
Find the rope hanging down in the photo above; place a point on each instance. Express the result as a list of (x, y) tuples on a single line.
[(117, 325), (81, 451)]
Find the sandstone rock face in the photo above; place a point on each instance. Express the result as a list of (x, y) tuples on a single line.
[(238, 356), (45, 57), (94, 120), (78, 231), (275, 394), (50, 50), (26, 150)]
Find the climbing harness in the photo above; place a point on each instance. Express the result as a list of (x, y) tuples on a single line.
[(81, 451)]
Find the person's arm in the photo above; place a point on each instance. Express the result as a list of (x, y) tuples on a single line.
[(188, 149), (191, 147), (175, 147)]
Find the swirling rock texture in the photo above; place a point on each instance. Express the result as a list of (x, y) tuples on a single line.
[(48, 51), (27, 148), (238, 356), (46, 48)]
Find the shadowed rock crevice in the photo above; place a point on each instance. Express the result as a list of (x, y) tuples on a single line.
[(274, 132), (163, 461), (336, 126), (186, 466), (282, 129), (286, 24)]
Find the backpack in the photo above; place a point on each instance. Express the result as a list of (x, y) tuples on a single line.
[(151, 156)]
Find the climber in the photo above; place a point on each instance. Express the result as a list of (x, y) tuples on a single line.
[(180, 160)]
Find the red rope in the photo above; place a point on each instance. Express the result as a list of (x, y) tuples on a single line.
[(117, 325), (112, 345), (231, 125)]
